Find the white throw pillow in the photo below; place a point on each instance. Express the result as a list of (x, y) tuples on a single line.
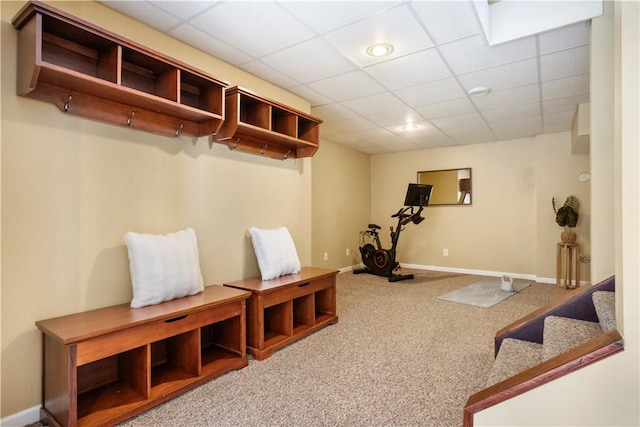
[(163, 267), (275, 251)]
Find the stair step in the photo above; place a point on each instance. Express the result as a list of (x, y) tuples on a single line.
[(605, 304), (562, 334), (514, 357)]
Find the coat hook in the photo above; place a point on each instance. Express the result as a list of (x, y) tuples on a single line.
[(67, 105), (263, 148), (287, 155), (235, 143), (130, 119), (179, 130)]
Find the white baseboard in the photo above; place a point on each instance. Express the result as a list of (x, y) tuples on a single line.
[(22, 418), (532, 277)]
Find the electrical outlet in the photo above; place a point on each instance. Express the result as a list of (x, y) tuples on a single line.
[(326, 256), (346, 252), (445, 252)]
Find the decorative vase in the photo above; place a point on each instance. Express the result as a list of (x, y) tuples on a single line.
[(568, 236)]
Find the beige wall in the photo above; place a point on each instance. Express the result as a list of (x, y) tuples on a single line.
[(510, 227), (341, 204), (71, 188), (606, 393)]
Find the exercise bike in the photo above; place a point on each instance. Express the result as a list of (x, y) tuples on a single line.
[(382, 262)]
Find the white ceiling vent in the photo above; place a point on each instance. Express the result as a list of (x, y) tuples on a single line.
[(581, 130)]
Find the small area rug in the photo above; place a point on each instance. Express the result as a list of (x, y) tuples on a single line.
[(484, 293)]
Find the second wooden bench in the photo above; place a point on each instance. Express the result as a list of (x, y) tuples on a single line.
[(285, 309)]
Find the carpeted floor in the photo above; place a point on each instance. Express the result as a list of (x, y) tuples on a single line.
[(398, 356)]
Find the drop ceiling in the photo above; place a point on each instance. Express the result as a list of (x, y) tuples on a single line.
[(415, 98)]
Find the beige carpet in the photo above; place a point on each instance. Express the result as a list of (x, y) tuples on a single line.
[(398, 356)]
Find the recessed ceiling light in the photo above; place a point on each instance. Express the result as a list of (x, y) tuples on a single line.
[(409, 127), (380, 49), (479, 91)]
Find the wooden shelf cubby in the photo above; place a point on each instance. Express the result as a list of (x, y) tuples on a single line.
[(261, 126), (91, 72), (106, 365), (288, 308)]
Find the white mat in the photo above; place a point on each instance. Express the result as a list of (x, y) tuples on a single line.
[(484, 293)]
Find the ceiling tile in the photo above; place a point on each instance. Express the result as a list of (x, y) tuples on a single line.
[(412, 128), (331, 112), (472, 53), (568, 86), (507, 76), (447, 20), (470, 136), (454, 107), (464, 121), (259, 68), (354, 84), (271, 27), (396, 117), (523, 126), (431, 92), (184, 9), (566, 37), (342, 126), (374, 104), (308, 61), (315, 98), (322, 16), (565, 63), (430, 139), (410, 70), (512, 113), (507, 98), (396, 26), (564, 104), (157, 18), (206, 43)]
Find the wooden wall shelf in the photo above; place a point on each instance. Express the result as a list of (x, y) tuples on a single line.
[(91, 72), (261, 126)]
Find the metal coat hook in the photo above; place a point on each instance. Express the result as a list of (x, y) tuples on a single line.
[(287, 155), (67, 105), (235, 143), (263, 148), (130, 119), (179, 130)]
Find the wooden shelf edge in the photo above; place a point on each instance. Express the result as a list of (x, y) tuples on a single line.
[(590, 352)]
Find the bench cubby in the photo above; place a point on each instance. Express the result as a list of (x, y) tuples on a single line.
[(288, 308), (106, 365)]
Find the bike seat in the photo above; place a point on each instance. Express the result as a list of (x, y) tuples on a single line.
[(374, 227)]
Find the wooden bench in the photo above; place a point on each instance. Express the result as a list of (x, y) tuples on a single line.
[(104, 366), (288, 308)]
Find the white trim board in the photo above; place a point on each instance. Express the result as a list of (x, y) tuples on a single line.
[(22, 418)]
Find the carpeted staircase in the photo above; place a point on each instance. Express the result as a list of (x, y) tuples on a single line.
[(560, 334), (553, 341)]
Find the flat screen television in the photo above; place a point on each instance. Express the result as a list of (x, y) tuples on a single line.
[(418, 195)]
